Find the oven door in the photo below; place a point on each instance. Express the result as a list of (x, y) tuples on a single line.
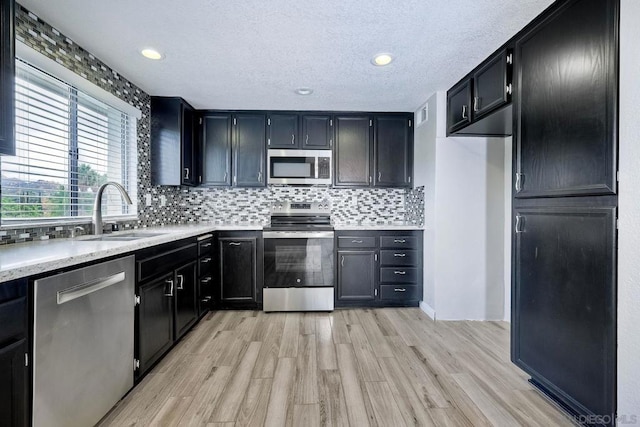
[(295, 259)]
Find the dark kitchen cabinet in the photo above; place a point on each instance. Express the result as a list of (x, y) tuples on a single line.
[(14, 354), (216, 148), (7, 72), (564, 299), (353, 150), (393, 150), (317, 131), (155, 320), (566, 102), (282, 131), (491, 84), (357, 275), (186, 310), (240, 269), (205, 273), (174, 149), (249, 150), (458, 106)]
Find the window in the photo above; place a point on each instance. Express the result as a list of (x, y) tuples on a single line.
[(67, 145)]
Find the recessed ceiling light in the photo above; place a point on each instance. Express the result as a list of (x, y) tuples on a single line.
[(151, 53), (382, 59), (304, 91)]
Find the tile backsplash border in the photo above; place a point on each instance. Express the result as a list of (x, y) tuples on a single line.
[(167, 205)]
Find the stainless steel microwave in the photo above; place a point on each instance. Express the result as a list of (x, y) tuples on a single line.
[(310, 167)]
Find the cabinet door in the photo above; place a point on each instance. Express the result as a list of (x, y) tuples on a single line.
[(216, 149), (564, 303), (282, 131), (249, 150), (458, 103), (490, 84), (190, 170), (353, 154), (317, 132), (566, 103), (155, 320), (14, 383), (7, 71), (237, 269), (393, 151), (186, 298), (356, 275)]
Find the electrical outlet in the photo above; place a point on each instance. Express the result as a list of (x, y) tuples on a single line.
[(354, 202), (163, 200), (147, 199)]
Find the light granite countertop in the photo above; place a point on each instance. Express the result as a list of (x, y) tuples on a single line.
[(37, 257)]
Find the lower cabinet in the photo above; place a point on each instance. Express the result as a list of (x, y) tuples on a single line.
[(240, 263), (379, 268), (186, 303), (205, 273), (14, 350)]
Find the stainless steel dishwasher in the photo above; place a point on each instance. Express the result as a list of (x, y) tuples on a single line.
[(83, 343)]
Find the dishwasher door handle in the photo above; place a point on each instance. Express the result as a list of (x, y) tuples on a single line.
[(87, 288)]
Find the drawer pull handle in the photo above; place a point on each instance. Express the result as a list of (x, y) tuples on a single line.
[(356, 241), (206, 260), (180, 286), (206, 280), (402, 273), (234, 243), (170, 283), (206, 245), (400, 255), (399, 241), (399, 290), (342, 262)]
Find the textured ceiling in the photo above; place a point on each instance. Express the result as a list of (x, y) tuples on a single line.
[(253, 54)]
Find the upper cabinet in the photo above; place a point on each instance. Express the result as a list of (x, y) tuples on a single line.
[(480, 104), (7, 71), (174, 149), (566, 103), (233, 149), (374, 150), (290, 130)]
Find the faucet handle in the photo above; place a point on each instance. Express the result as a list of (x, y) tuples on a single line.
[(77, 229)]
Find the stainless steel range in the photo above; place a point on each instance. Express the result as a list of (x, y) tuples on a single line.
[(298, 258)]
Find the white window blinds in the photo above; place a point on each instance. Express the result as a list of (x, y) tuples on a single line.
[(67, 145)]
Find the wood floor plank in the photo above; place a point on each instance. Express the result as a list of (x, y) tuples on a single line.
[(228, 405), (306, 387), (367, 361), (306, 415), (254, 406), (308, 324), (280, 406), (333, 407), (172, 411), (375, 337), (268, 357), (384, 404), (324, 343), (353, 392), (289, 343), (339, 328), (206, 397)]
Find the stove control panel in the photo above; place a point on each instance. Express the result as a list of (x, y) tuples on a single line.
[(301, 208)]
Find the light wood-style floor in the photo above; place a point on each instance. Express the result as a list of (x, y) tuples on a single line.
[(382, 367)]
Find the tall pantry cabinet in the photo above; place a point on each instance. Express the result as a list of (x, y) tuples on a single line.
[(565, 204)]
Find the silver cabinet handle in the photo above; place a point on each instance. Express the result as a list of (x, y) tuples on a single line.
[(342, 261), (519, 224), (205, 260), (356, 241), (206, 245), (400, 272), (186, 173), (206, 280), (180, 286), (476, 103), (224, 178), (293, 139), (170, 283), (379, 176), (464, 111), (509, 89), (306, 141), (234, 243), (259, 175), (399, 241), (369, 180), (519, 177), (235, 180), (400, 255), (399, 290)]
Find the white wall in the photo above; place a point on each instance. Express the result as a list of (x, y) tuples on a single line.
[(629, 213), (464, 181), (508, 182)]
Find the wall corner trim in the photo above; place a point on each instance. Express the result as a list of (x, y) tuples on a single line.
[(428, 309)]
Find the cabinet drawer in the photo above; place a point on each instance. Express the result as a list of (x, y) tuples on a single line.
[(399, 292), (400, 242), (166, 261), (398, 275), (356, 242), (398, 257), (12, 318), (205, 245), (205, 266)]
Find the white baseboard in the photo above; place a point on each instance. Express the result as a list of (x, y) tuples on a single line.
[(428, 309)]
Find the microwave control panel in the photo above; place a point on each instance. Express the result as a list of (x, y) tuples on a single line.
[(324, 167)]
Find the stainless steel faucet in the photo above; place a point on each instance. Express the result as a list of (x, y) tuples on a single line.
[(96, 219)]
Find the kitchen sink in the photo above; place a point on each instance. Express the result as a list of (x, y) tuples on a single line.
[(122, 237)]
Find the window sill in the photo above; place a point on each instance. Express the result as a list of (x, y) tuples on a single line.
[(37, 223)]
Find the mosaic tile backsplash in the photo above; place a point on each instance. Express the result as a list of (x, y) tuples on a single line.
[(159, 206)]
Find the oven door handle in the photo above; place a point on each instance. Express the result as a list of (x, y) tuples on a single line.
[(298, 234)]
